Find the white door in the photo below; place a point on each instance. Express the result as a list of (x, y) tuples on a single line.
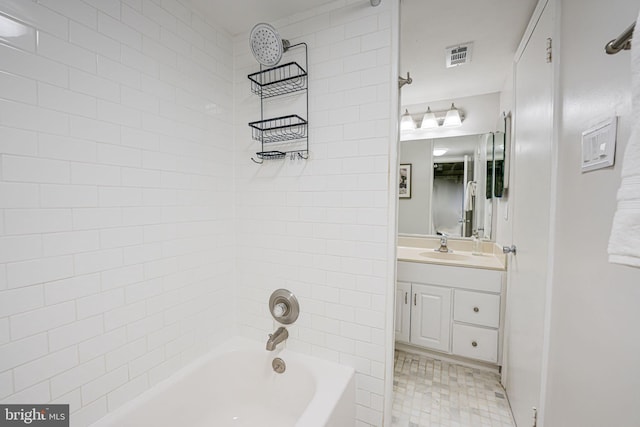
[(431, 317), (531, 190), (403, 311)]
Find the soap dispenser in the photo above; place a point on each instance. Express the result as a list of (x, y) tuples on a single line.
[(476, 245)]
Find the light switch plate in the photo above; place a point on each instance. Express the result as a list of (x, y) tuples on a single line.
[(599, 145)]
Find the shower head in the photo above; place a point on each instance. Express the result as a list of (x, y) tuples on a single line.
[(266, 45), (375, 3)]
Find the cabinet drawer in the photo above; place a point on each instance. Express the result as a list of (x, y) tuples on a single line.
[(476, 343), (477, 308)]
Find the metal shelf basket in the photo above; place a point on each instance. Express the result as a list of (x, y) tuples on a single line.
[(288, 135), (271, 155), (280, 80), (285, 128)]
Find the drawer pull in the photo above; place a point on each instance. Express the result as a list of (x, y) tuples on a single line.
[(474, 343), (415, 299), (405, 297), (476, 309)]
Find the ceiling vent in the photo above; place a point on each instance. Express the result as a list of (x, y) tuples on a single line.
[(458, 55)]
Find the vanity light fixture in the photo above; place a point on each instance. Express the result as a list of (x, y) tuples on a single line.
[(433, 119), (453, 117), (429, 120), (406, 121), (439, 152)]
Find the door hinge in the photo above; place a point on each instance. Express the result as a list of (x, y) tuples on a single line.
[(535, 417), (549, 50)]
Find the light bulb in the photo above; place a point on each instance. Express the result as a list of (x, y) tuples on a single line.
[(452, 118), (429, 120), (406, 121)]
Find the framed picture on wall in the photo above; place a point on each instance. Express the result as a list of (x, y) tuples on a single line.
[(404, 192)]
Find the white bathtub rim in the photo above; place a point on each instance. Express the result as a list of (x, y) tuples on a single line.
[(312, 415)]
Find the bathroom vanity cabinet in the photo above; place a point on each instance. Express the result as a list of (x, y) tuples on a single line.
[(453, 310)]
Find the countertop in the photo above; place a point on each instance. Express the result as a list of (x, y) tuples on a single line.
[(421, 250)]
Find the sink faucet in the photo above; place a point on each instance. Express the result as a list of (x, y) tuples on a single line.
[(443, 244), (276, 338)]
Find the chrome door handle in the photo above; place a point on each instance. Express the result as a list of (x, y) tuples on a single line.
[(509, 249)]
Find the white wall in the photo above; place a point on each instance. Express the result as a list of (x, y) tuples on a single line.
[(116, 226), (594, 375), (320, 227), (414, 214)]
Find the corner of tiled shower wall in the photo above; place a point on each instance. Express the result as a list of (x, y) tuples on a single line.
[(116, 198), (319, 227)]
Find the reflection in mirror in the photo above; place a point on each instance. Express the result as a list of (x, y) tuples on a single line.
[(452, 181), (498, 166), (502, 153)]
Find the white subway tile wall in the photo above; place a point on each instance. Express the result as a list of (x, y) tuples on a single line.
[(122, 210), (116, 196), (320, 227)]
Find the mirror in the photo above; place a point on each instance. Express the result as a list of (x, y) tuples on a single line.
[(501, 159), (452, 183)]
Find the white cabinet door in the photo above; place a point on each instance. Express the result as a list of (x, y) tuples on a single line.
[(403, 311), (431, 317)]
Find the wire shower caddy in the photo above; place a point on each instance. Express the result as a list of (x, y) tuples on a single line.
[(286, 135)]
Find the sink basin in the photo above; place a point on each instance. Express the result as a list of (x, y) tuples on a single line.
[(451, 256)]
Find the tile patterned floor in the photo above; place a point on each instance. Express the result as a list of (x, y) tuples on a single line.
[(434, 393)]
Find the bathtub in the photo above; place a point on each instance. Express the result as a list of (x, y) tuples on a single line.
[(236, 386)]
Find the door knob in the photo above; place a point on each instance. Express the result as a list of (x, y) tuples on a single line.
[(509, 249)]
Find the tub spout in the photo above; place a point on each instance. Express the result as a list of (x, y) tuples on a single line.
[(276, 338)]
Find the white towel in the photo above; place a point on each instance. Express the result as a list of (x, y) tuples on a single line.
[(624, 242), (469, 194)]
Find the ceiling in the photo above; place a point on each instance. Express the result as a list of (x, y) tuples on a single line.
[(457, 146), (429, 26), (239, 16)]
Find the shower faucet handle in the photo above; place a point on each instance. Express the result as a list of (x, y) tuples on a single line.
[(280, 309), (284, 306)]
